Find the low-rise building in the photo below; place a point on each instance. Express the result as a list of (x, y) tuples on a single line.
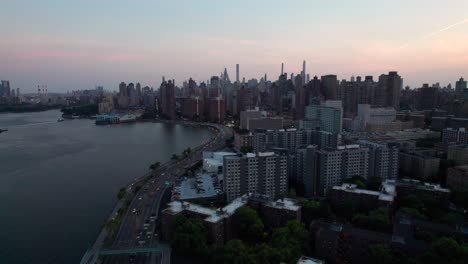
[(361, 199), (457, 177), (458, 153), (219, 222), (407, 187), (216, 221), (279, 213), (419, 163)]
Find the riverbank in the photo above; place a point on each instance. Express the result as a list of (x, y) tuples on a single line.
[(66, 176), (27, 108), (120, 211)]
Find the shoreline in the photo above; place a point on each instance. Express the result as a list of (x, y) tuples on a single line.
[(103, 233)]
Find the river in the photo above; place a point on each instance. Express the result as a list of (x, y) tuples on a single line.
[(59, 180)]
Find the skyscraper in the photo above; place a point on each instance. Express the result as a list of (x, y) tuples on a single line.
[(300, 97), (123, 89), (330, 87), (138, 89), (304, 72), (237, 73), (460, 85), (393, 84), (167, 94), (5, 88)]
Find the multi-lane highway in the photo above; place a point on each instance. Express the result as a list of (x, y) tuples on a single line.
[(139, 225)]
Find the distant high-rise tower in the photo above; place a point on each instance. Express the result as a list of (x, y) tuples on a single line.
[(304, 72), (167, 97), (17, 92), (282, 68), (237, 73), (6, 88), (138, 89), (300, 98), (123, 89), (460, 85), (393, 84)]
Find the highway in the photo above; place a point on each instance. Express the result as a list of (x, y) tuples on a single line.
[(139, 226)]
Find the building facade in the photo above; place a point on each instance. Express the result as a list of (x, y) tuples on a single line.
[(263, 173)]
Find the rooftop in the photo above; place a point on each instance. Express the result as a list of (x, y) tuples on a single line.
[(309, 260), (387, 193), (422, 186), (212, 215), (285, 203), (202, 186)]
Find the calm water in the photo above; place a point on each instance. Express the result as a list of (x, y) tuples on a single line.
[(58, 181)]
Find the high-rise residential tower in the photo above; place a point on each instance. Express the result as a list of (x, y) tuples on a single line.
[(167, 97), (262, 173)]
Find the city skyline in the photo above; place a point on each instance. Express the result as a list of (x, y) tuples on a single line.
[(71, 46)]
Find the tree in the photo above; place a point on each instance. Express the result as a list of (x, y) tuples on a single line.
[(313, 210), (377, 219), (155, 165), (359, 181), (374, 183), (447, 250), (174, 157), (411, 201), (246, 149), (290, 241), (266, 254), (234, 252), (413, 212), (291, 193), (248, 224), (188, 236), (460, 197), (121, 193), (380, 254)]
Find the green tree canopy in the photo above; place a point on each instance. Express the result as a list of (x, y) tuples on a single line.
[(188, 236), (246, 149), (234, 252), (313, 210), (290, 241), (460, 197), (380, 254), (377, 219), (374, 183), (447, 250), (248, 224)]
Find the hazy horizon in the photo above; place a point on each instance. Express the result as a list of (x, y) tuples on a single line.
[(77, 45)]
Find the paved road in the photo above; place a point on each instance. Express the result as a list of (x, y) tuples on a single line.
[(139, 225)]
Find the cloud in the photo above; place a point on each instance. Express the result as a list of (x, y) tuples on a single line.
[(437, 32)]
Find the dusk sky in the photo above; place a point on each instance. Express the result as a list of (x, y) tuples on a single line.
[(71, 45)]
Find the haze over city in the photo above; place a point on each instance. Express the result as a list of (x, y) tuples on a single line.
[(77, 45)]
